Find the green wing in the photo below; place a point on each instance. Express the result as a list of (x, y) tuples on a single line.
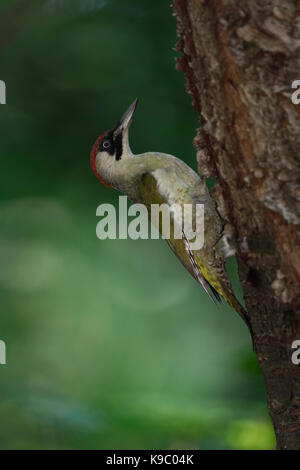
[(150, 195), (209, 274)]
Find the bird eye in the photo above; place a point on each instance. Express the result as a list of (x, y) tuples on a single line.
[(106, 144)]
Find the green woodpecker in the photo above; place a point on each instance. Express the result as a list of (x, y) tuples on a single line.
[(157, 178)]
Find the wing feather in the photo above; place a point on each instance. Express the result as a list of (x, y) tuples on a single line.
[(201, 279)]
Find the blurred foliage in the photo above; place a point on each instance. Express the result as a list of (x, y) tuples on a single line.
[(110, 344)]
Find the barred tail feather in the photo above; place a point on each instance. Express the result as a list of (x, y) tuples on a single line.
[(217, 287)]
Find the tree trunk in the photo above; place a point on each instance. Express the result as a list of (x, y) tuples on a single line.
[(240, 60)]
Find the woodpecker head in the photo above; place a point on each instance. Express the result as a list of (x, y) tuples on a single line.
[(112, 148)]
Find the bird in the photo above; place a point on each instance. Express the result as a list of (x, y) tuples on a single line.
[(159, 178)]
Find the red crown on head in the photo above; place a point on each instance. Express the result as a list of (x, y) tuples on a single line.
[(93, 159)]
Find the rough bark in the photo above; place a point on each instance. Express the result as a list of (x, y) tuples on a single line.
[(240, 59)]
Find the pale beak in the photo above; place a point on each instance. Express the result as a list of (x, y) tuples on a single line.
[(124, 124)]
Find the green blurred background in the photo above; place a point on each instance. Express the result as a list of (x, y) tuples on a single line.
[(110, 344)]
